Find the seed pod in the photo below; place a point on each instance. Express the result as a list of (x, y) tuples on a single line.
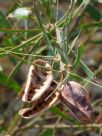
[(76, 98), (38, 81), (40, 104)]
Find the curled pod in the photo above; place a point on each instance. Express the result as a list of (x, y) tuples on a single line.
[(41, 104), (38, 80), (76, 98)]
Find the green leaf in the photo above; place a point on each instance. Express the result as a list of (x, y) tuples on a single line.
[(58, 112), (84, 67), (1, 129), (73, 44), (43, 30), (77, 77), (89, 73), (61, 52), (96, 24), (47, 6), (24, 44), (78, 56), (47, 132), (3, 22), (98, 42), (11, 84), (95, 14), (61, 40), (20, 30)]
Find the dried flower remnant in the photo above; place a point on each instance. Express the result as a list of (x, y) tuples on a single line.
[(41, 105), (38, 81), (76, 98), (20, 13)]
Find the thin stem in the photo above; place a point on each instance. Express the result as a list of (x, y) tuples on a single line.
[(44, 32), (57, 10), (58, 126), (15, 69), (26, 27), (57, 88)]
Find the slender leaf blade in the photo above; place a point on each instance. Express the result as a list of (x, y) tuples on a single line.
[(89, 73), (58, 112), (73, 44), (78, 56), (3, 22), (95, 14), (77, 77), (11, 84), (47, 132)]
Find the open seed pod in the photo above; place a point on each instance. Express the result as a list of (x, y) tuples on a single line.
[(40, 104), (38, 81), (76, 98)]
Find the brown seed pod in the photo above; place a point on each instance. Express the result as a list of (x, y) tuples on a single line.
[(38, 80), (40, 104), (76, 98)]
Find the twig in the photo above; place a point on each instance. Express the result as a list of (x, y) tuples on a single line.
[(58, 126)]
